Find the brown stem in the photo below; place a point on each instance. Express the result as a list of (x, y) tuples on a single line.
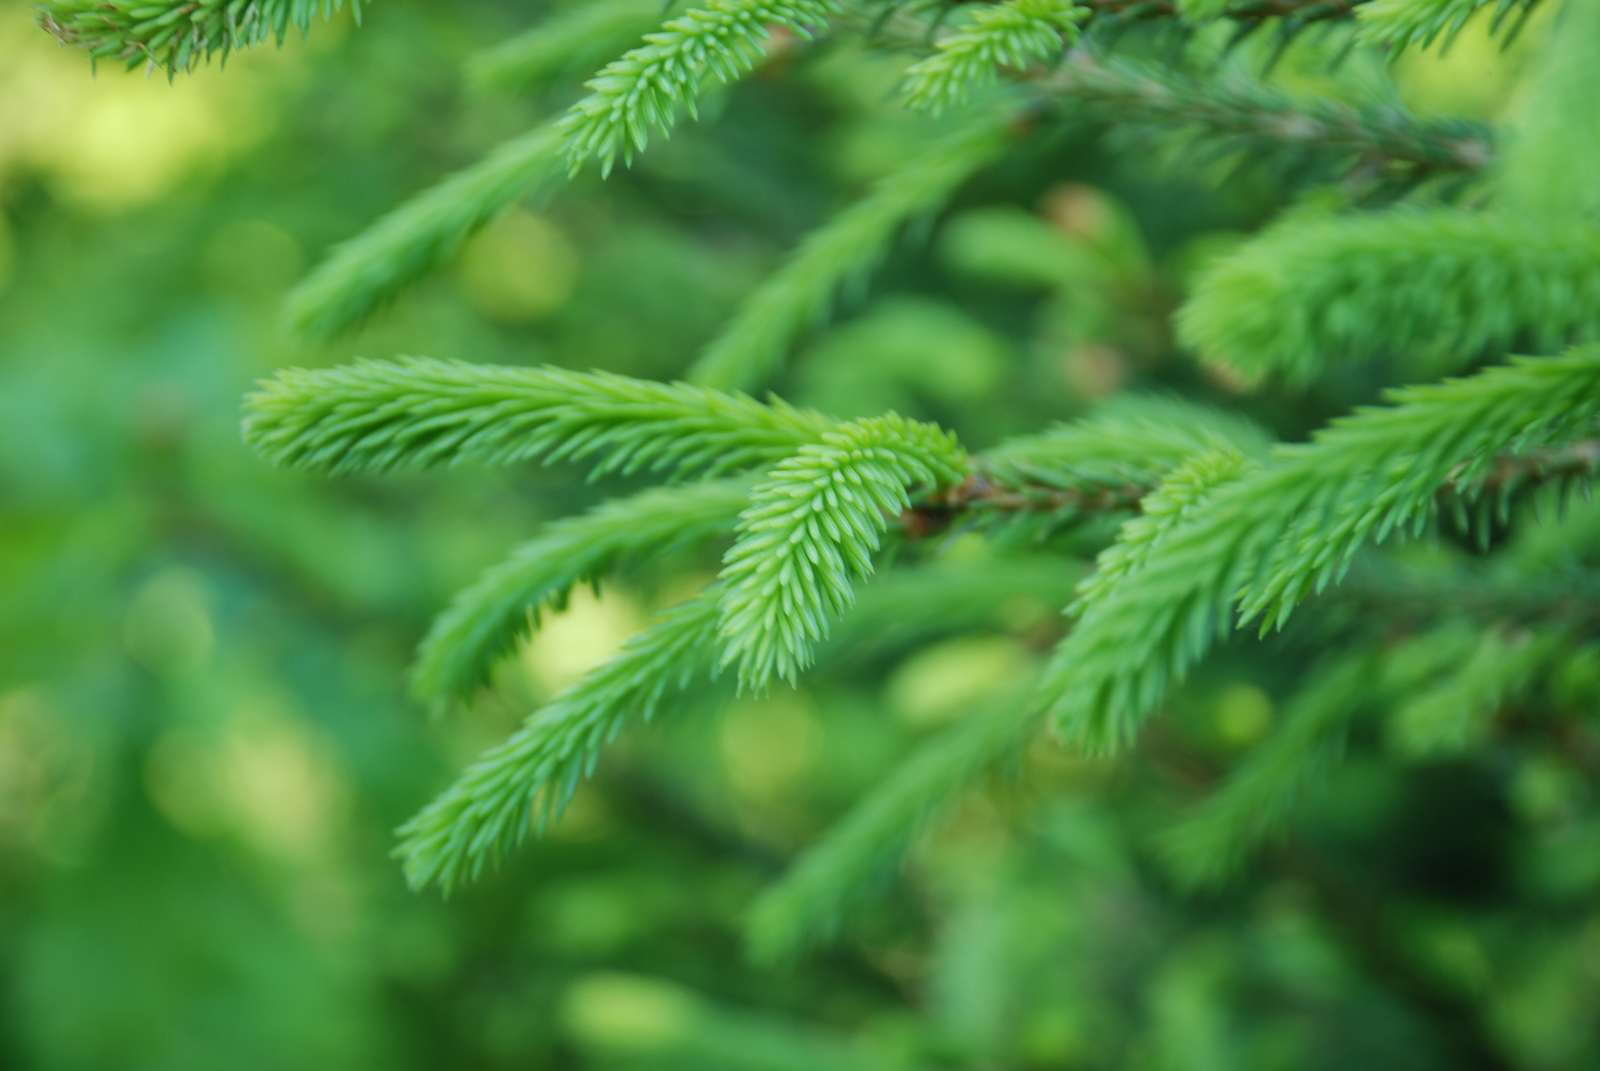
[(934, 513)]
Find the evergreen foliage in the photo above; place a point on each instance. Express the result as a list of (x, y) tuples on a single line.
[(1131, 439), (1452, 713), (1268, 540), (1233, 112), (377, 415), (1437, 286), (1259, 796), (1423, 23), (798, 294), (572, 41), (1454, 246), (363, 274), (642, 92), (1220, 520), (811, 900), (178, 35), (526, 782), (485, 620), (1011, 34), (811, 529)]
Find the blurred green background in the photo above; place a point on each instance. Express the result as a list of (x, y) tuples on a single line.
[(204, 736)]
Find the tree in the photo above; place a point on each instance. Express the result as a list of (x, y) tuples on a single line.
[(1410, 249)]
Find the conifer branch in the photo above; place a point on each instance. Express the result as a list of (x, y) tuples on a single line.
[(1436, 283), (807, 905), (641, 93), (1260, 794), (485, 620), (1400, 24), (1012, 34), (1183, 493), (1566, 597), (1294, 13), (810, 532), (1453, 712), (1129, 439), (1269, 539), (1105, 462), (365, 273), (379, 415), (577, 37), (1254, 116), (799, 294), (526, 782), (179, 35)]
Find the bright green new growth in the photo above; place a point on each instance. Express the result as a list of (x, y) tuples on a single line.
[(179, 35), (642, 92), (486, 620), (800, 293), (1401, 24), (378, 415), (526, 782), (1259, 796), (366, 272), (1166, 509), (573, 39), (1013, 34), (1437, 284), (810, 532), (808, 904), (1270, 539)]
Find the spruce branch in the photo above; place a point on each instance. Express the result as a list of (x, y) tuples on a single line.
[(1401, 24), (1184, 492), (799, 293), (642, 92), (807, 905), (1130, 439), (368, 271), (1269, 539), (1293, 13), (574, 38), (1105, 462), (1261, 793), (1012, 34), (526, 782), (485, 620), (1453, 711), (1251, 115), (1565, 597), (1436, 283), (179, 35), (810, 532), (380, 415)]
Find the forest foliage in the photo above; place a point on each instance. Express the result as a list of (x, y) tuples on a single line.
[(1084, 508)]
